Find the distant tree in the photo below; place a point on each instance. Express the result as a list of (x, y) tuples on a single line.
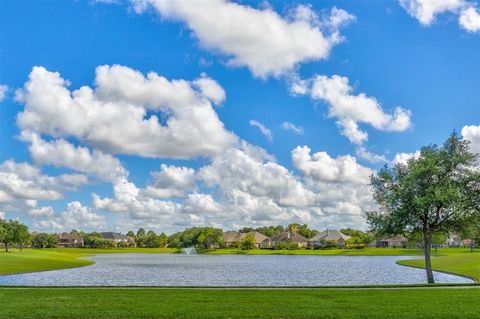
[(21, 235), (437, 192), (199, 237), (6, 233), (471, 232), (131, 234), (141, 233), (245, 230), (271, 231), (303, 230), (40, 240), (358, 237), (247, 243), (52, 241)]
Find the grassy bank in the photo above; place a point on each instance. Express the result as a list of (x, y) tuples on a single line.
[(465, 264), (30, 260), (238, 303), (344, 252)]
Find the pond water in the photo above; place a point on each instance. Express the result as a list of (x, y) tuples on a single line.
[(230, 270)]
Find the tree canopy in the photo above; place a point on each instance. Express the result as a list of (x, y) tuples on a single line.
[(439, 191)]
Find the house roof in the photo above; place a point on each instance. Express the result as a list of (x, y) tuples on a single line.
[(115, 236), (289, 235), (68, 236), (329, 234), (233, 236)]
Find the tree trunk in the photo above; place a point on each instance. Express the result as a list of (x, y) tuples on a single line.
[(6, 247), (427, 239)]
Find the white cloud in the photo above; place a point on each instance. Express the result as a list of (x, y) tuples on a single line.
[(292, 127), (265, 131), (61, 153), (2, 215), (124, 113), (171, 181), (350, 109), (426, 11), (132, 200), (45, 211), (75, 216), (373, 158), (3, 91), (22, 181), (470, 19), (472, 134), (402, 158), (260, 39), (320, 166)]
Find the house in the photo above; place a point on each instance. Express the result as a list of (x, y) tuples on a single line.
[(328, 235), (454, 240), (398, 241), (233, 238), (67, 240), (118, 237), (285, 237)]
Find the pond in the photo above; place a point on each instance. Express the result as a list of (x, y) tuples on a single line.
[(231, 270)]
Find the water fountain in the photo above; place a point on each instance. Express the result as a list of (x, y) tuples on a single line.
[(189, 251)]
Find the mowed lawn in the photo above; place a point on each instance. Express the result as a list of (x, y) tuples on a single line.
[(30, 260), (238, 303), (466, 264)]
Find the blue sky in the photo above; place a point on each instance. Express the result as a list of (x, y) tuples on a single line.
[(423, 59)]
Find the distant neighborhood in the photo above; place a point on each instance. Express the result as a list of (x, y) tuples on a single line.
[(294, 236)]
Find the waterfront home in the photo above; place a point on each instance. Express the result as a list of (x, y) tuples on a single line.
[(67, 240), (328, 235), (398, 241), (118, 237), (233, 238), (285, 237), (455, 240)]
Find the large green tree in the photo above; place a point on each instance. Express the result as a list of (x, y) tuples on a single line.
[(439, 191)]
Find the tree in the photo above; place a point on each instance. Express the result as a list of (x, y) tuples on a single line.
[(437, 192), (141, 232), (247, 243), (40, 240), (20, 233), (472, 233), (6, 233), (303, 230), (131, 234)]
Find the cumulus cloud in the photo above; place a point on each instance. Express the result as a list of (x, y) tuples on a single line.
[(75, 216), (426, 11), (322, 167), (373, 158), (350, 109), (472, 134), (22, 181), (61, 153), (171, 181), (127, 113), (265, 131), (402, 158), (260, 39), (292, 127), (470, 19), (3, 91)]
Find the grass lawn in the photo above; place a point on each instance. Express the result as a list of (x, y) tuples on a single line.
[(344, 252), (466, 264), (238, 303), (30, 260)]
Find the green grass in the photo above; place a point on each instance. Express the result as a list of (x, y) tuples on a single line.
[(30, 260), (465, 264), (344, 252), (238, 303)]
